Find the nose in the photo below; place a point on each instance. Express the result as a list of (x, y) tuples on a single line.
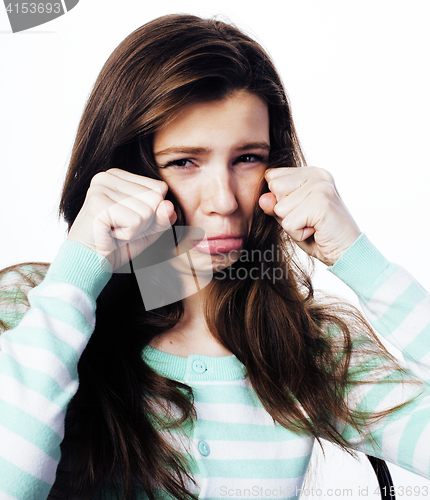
[(219, 192)]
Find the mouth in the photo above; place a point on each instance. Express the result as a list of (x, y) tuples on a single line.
[(218, 244)]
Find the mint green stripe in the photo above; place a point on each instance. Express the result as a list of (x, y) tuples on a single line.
[(20, 484), (254, 468), (45, 339), (30, 428), (223, 431), (399, 310), (411, 435), (415, 348), (222, 394), (61, 310), (90, 271), (372, 288), (361, 255), (34, 380), (244, 432)]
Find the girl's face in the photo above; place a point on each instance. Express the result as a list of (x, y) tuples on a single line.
[(213, 156)]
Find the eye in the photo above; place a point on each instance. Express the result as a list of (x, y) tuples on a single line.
[(182, 163), (250, 158)]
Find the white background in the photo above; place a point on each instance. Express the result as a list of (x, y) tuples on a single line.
[(358, 79)]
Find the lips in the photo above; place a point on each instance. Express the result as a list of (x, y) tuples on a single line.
[(219, 244)]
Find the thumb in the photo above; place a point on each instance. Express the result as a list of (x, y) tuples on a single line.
[(267, 203), (165, 215)]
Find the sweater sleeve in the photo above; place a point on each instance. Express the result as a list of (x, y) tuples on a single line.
[(38, 369), (398, 308)]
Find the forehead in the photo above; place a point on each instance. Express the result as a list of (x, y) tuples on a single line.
[(242, 116)]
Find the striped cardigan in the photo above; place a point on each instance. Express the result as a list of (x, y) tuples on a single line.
[(236, 449)]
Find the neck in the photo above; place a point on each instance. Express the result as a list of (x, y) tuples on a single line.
[(191, 334)]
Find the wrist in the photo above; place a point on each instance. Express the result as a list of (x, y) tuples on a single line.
[(82, 267)]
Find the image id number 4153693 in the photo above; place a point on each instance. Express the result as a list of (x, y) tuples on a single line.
[(34, 8)]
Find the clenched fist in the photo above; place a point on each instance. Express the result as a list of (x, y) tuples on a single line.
[(123, 213), (306, 203)]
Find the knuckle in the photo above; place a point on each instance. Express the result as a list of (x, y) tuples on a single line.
[(147, 212), (94, 198), (287, 225), (163, 188), (134, 219), (274, 184), (95, 188), (325, 175), (322, 197), (278, 210), (326, 189), (98, 178), (158, 197)]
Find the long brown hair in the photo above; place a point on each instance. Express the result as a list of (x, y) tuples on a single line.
[(296, 349)]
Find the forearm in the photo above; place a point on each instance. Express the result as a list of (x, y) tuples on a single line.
[(38, 369), (398, 308)]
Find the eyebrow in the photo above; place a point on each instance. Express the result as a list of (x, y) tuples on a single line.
[(196, 151)]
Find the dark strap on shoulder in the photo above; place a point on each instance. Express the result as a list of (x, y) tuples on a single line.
[(384, 478)]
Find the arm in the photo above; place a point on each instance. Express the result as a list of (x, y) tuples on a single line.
[(38, 369), (399, 309)]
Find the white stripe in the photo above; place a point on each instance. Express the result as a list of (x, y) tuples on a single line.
[(243, 382), (421, 460), (69, 293), (28, 457), (391, 437), (393, 433), (386, 294), (300, 447), (279, 488), (412, 325), (34, 404), (233, 413), (419, 370), (43, 361), (218, 412), (360, 391), (68, 334)]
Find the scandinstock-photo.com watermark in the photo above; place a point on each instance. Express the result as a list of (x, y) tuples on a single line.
[(24, 15), (180, 261)]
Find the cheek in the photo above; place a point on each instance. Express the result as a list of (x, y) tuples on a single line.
[(188, 199), (253, 184)]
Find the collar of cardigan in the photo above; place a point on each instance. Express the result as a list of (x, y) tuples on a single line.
[(196, 367)]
